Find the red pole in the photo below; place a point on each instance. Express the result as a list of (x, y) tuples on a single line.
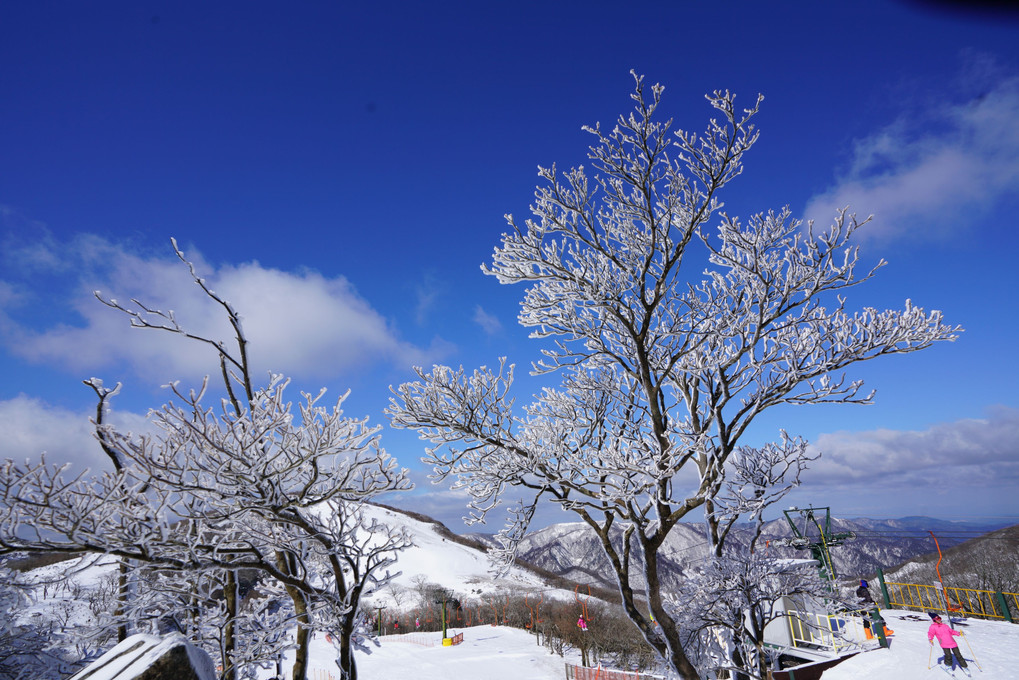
[(937, 568)]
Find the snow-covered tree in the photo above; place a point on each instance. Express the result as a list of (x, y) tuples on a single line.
[(725, 605), (31, 647), (673, 326), (248, 484), (728, 601)]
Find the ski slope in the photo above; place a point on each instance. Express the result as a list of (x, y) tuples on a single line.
[(487, 653), (991, 649), (445, 563)]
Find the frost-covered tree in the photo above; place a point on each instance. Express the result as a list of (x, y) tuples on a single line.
[(31, 647), (673, 326), (248, 484), (728, 601), (725, 605)]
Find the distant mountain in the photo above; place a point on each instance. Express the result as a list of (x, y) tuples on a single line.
[(573, 551), (987, 562)]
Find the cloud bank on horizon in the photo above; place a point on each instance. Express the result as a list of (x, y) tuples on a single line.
[(933, 472)]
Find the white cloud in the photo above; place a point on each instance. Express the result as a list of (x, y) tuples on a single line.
[(302, 324), (924, 173), (973, 463), (31, 427), (490, 324)]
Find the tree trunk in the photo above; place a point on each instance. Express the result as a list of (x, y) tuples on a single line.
[(122, 597), (671, 650), (230, 628), (301, 653), (303, 635), (285, 563), (348, 670), (674, 655)]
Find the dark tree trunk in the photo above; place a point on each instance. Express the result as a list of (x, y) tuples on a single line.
[(285, 563), (122, 597), (667, 626), (230, 628), (665, 638), (348, 670)]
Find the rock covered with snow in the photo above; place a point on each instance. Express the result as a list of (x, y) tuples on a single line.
[(149, 657)]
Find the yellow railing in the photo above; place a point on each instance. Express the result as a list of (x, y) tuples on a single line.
[(964, 601), (913, 596), (1012, 602), (817, 630)]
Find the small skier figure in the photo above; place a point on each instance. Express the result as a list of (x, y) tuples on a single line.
[(582, 624), (944, 634), (417, 622)]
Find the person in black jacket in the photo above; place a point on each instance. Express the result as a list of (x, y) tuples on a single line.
[(866, 604)]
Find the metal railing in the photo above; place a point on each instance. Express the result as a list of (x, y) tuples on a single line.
[(964, 601), (1011, 602), (817, 631)]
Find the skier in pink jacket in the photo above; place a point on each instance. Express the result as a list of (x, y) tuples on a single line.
[(945, 636)]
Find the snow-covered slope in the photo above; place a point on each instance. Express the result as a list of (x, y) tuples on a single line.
[(490, 653), (487, 653), (573, 550), (440, 560), (69, 590), (991, 649), (66, 590)]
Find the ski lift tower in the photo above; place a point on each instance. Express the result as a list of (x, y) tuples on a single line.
[(813, 532)]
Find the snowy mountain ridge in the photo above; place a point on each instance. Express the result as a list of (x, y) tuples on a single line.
[(572, 549)]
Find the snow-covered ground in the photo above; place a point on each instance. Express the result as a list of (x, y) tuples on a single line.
[(486, 653), (991, 648), (64, 590), (499, 653), (446, 563)]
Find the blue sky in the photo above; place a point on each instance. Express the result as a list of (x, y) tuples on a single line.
[(340, 172)]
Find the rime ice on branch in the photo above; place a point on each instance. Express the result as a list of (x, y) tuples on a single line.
[(248, 484), (673, 326)]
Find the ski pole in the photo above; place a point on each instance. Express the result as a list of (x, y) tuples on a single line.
[(929, 655), (971, 653)]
